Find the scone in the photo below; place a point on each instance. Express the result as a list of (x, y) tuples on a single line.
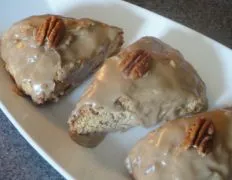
[(146, 84), (195, 148), (47, 55)]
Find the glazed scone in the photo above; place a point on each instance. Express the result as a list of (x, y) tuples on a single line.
[(195, 148), (147, 83), (48, 54)]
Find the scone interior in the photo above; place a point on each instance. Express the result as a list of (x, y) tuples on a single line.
[(146, 84), (161, 154), (72, 50)]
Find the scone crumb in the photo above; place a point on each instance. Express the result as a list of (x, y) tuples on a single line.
[(172, 63), (20, 45)]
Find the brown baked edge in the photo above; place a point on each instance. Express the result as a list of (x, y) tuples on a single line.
[(88, 141), (132, 177)]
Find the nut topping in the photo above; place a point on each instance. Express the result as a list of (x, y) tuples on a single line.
[(200, 136), (52, 29), (135, 64)]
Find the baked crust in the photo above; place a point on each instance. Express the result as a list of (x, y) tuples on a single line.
[(88, 141)]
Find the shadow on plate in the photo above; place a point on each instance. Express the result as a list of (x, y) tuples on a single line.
[(112, 14), (202, 55)]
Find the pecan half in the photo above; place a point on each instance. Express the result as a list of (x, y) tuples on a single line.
[(200, 136), (135, 64), (53, 29)]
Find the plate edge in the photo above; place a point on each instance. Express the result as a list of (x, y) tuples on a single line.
[(34, 145)]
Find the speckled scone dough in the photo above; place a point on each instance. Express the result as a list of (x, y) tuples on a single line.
[(162, 154), (147, 83), (46, 55)]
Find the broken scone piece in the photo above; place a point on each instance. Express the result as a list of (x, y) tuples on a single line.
[(147, 83), (47, 55), (195, 148)]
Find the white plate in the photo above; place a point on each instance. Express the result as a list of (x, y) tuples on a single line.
[(45, 128)]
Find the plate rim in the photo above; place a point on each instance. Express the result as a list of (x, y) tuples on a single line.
[(39, 149)]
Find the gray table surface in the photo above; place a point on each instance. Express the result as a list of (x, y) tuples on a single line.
[(18, 160)]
